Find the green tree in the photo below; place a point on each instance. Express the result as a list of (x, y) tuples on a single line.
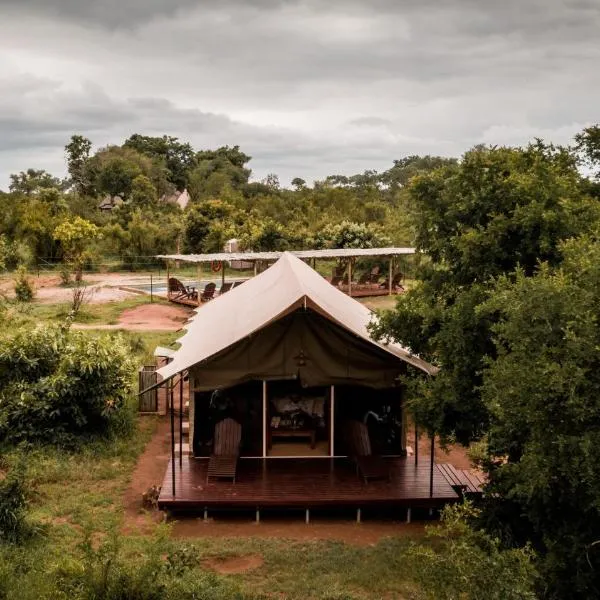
[(542, 392), (208, 225), (499, 209), (218, 170), (77, 153), (143, 193), (33, 181), (351, 235), (179, 158), (75, 237)]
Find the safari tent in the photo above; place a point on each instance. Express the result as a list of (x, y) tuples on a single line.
[(293, 403)]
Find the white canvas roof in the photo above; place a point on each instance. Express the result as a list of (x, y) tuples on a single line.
[(248, 308)]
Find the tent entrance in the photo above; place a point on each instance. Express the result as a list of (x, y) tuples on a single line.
[(297, 419)]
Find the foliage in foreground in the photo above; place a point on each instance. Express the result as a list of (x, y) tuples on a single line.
[(13, 504), (469, 564), (543, 395), (57, 385), (105, 572), (24, 290)]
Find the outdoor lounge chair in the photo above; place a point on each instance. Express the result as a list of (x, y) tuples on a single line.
[(396, 285), (368, 465), (364, 279), (226, 287), (226, 450), (209, 292), (375, 274), (179, 291)]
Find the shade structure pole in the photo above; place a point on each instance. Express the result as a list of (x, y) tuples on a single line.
[(390, 275), (172, 440), (332, 422), (264, 414), (199, 276), (350, 278), (255, 267), (431, 464), (168, 277), (416, 443), (222, 274), (181, 420)]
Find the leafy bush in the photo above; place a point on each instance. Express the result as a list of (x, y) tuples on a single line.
[(24, 290), (470, 564), (13, 505), (56, 385)]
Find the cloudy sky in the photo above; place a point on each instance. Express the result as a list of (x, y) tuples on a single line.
[(306, 87)]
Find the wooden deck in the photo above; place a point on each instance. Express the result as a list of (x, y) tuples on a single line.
[(304, 483)]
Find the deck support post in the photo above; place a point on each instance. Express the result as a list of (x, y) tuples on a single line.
[(255, 267), (332, 422), (358, 515), (408, 515), (432, 452), (181, 419), (307, 516), (258, 515), (172, 439), (264, 419), (206, 514), (390, 275), (416, 444)]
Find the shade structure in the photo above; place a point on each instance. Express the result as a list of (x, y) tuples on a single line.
[(330, 253), (225, 334)]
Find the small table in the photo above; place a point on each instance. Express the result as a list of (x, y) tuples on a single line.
[(293, 433)]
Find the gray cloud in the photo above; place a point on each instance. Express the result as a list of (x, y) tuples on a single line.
[(306, 87)]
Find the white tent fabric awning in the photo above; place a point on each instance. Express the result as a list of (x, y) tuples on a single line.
[(248, 308)]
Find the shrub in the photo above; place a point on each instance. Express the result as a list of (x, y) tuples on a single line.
[(24, 290), (65, 275), (57, 386), (470, 564), (13, 505)]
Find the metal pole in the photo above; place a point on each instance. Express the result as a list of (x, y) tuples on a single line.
[(222, 274), (168, 277), (181, 420), (390, 275), (151, 289), (264, 419), (431, 465), (350, 278), (416, 443), (172, 440), (332, 422)]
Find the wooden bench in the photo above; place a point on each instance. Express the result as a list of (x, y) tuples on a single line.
[(463, 481)]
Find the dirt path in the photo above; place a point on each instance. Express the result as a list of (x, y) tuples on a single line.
[(148, 317), (150, 470)]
